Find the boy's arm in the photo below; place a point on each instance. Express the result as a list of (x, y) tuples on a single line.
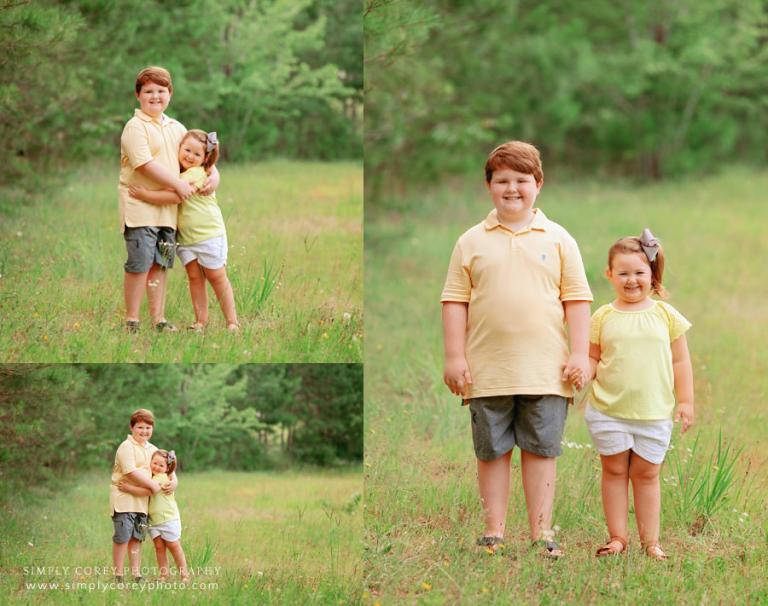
[(211, 183), (140, 478), (160, 197), (456, 374), (133, 489), (683, 373), (162, 176), (577, 369)]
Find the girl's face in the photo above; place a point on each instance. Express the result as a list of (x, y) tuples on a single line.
[(191, 153), (630, 276), (141, 432), (158, 464)]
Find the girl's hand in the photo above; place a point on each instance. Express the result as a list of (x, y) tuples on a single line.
[(457, 376), (136, 191), (167, 488), (684, 413), (208, 187)]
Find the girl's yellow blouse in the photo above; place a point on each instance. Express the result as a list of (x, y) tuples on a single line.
[(634, 375)]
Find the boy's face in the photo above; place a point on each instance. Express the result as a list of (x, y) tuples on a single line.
[(141, 432), (513, 194), (191, 153), (158, 464), (153, 98), (630, 276)]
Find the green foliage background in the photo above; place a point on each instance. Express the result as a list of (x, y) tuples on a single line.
[(63, 418), (645, 89), (273, 77)]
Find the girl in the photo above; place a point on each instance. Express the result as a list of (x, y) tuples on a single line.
[(164, 518), (640, 364), (202, 236)]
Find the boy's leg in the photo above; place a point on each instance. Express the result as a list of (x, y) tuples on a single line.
[(156, 293), (539, 487), (181, 560), (134, 286), (134, 556), (647, 494), (118, 557), (614, 484), (223, 289), (162, 557), (493, 481), (197, 291)]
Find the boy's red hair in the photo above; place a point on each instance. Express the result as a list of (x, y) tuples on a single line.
[(142, 415), (153, 73), (517, 155)]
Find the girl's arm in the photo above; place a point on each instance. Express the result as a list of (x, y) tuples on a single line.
[(683, 372), (161, 197), (133, 489), (456, 374)]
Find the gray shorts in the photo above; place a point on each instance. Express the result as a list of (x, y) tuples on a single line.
[(532, 423), (148, 245), (210, 254), (129, 525)]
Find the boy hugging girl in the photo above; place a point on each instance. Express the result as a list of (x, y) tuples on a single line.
[(141, 498), (154, 149)]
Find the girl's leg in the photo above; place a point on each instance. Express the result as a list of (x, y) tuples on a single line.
[(647, 491), (156, 293), (197, 291), (539, 487), (615, 491), (181, 560), (162, 557), (223, 289), (493, 480), (134, 286), (134, 556)]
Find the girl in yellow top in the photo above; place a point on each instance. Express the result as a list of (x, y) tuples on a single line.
[(202, 236), (640, 364), (164, 517)]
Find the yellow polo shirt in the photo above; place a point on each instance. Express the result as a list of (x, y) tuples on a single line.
[(129, 457), (145, 139), (635, 378), (515, 284)]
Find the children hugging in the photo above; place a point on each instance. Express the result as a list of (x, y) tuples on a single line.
[(141, 499), (168, 177), (516, 368)]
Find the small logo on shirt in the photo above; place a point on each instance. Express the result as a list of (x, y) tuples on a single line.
[(543, 256)]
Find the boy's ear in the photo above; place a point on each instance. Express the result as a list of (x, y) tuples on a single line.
[(540, 184), (608, 272)]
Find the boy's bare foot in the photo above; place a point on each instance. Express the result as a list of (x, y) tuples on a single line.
[(232, 327), (196, 327)]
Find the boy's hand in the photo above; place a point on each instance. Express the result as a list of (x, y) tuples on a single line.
[(684, 413), (577, 370), (457, 376), (183, 189)]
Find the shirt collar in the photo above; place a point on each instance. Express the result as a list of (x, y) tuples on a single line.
[(145, 446), (162, 120), (539, 222)]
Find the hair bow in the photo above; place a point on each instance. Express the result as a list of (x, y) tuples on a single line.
[(171, 456), (211, 141), (649, 244)]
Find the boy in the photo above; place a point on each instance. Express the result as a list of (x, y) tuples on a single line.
[(149, 158), (513, 281), (129, 512)]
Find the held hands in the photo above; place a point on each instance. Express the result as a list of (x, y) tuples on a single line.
[(457, 377), (577, 371), (685, 414)]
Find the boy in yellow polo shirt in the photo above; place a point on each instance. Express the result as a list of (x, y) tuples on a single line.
[(149, 158), (513, 282)]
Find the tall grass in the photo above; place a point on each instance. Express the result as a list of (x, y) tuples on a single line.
[(241, 536), (422, 508), (295, 263)]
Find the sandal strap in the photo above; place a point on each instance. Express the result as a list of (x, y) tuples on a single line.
[(489, 541), (608, 550)]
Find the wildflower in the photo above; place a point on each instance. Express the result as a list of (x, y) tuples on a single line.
[(346, 316), (325, 335), (45, 338), (19, 234), (426, 586), (30, 544)]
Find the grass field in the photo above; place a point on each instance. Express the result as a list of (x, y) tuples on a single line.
[(252, 538), (422, 507), (295, 262)]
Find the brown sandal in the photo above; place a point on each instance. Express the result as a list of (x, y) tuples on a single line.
[(655, 552), (609, 549)]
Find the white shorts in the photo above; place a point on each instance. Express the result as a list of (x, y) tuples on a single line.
[(211, 254), (170, 531), (611, 435)]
